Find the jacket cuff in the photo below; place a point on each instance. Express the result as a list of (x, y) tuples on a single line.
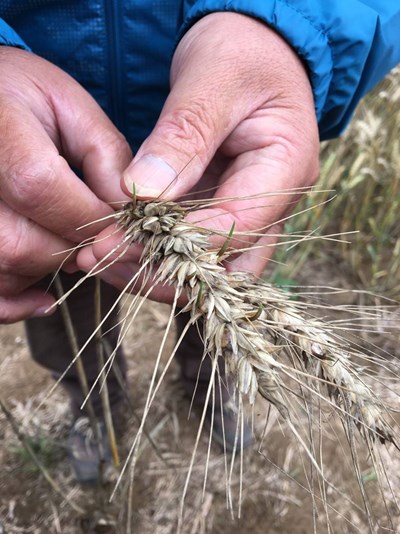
[(8, 37)]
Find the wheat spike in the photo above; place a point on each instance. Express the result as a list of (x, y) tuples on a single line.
[(251, 324)]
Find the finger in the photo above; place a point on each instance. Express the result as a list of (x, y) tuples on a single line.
[(256, 192), (14, 284), (72, 119), (109, 247), (91, 142), (264, 185), (38, 183), (123, 277), (31, 303), (254, 259), (27, 249)]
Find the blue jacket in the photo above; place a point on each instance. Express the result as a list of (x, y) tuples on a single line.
[(120, 51)]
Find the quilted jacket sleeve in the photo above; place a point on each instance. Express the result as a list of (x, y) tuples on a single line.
[(9, 37), (347, 45)]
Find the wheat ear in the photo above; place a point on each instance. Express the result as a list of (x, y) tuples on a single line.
[(252, 326)]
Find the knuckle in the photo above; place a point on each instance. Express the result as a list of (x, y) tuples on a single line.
[(112, 140), (14, 251), (276, 229), (302, 161), (117, 144), (189, 130), (117, 141), (31, 182)]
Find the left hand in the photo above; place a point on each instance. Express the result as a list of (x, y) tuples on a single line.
[(240, 118)]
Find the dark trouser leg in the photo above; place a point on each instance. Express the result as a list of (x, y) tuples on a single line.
[(196, 371), (50, 347)]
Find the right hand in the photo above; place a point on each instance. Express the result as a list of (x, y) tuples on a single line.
[(239, 122), (49, 122)]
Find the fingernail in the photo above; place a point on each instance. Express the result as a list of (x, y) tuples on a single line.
[(151, 176), (42, 311)]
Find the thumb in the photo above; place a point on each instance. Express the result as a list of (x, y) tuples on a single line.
[(183, 142), (209, 97)]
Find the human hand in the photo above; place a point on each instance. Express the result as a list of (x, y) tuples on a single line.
[(48, 122), (240, 117)]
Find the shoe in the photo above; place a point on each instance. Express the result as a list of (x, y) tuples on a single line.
[(226, 427), (90, 458)]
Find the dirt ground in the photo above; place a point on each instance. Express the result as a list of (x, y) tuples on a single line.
[(276, 496)]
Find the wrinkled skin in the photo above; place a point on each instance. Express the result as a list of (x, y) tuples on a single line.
[(239, 118)]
